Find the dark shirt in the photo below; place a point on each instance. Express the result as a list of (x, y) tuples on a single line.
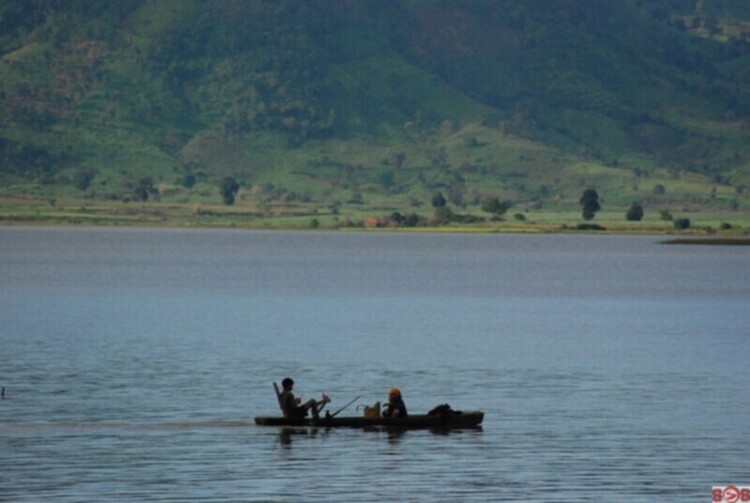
[(290, 407), (396, 408)]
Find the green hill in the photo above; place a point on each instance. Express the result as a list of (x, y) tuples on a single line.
[(352, 108)]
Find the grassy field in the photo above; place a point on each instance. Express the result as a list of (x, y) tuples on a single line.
[(254, 212), (358, 183)]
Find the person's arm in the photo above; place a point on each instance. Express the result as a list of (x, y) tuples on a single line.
[(401, 409)]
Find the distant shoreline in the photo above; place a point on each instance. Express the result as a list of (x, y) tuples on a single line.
[(709, 241), (692, 239), (706, 227)]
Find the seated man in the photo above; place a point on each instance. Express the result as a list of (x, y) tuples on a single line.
[(292, 407)]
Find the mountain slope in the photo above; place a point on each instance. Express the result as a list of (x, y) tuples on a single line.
[(530, 101)]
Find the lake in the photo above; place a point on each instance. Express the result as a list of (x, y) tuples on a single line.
[(610, 368)]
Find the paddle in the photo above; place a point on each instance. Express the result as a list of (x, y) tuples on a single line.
[(344, 407)]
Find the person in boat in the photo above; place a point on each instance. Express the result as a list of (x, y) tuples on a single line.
[(395, 406), (293, 406)]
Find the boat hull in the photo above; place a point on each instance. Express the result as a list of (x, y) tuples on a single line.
[(460, 420)]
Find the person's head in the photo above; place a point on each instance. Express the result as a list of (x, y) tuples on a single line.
[(287, 383), (394, 394)]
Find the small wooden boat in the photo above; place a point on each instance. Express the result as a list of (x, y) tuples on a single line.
[(442, 417), (472, 419)]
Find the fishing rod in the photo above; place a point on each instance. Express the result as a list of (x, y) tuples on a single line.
[(344, 407)]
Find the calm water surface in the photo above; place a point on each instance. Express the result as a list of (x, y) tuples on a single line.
[(609, 368)]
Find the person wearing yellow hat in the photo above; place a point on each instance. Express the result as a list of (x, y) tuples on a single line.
[(395, 406)]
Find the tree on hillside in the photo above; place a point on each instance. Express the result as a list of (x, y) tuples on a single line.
[(399, 159), (634, 213), (589, 204), (438, 200), (189, 180), (83, 177), (144, 187), (228, 187), (495, 206)]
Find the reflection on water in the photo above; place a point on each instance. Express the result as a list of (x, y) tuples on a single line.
[(134, 362), (286, 434), (114, 425), (392, 435)]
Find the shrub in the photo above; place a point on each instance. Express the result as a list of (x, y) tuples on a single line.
[(144, 187), (682, 223), (634, 213), (590, 227), (228, 187), (411, 220), (438, 200), (189, 181), (82, 178), (589, 204), (495, 206), (466, 219), (442, 215)]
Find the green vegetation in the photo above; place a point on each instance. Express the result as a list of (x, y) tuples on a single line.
[(634, 213), (589, 204), (305, 115), (228, 187)]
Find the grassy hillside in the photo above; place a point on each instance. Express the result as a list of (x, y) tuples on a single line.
[(348, 110)]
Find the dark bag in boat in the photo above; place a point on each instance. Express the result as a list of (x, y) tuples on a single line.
[(443, 410)]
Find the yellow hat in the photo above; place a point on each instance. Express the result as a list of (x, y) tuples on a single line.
[(394, 393)]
